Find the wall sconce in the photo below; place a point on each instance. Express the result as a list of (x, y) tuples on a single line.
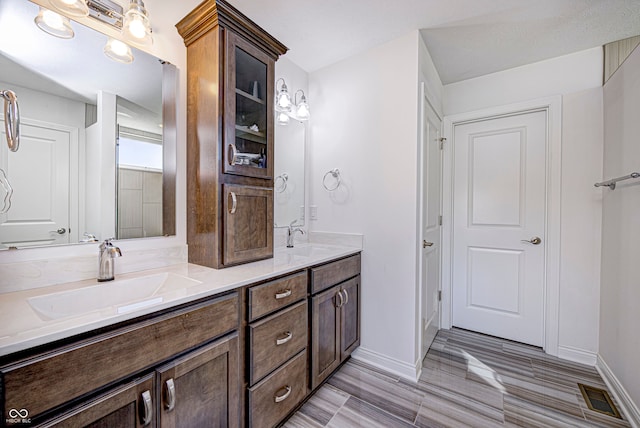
[(118, 51), (54, 24), (286, 110), (283, 100), (75, 8)]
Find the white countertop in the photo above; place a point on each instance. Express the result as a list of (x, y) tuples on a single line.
[(23, 327)]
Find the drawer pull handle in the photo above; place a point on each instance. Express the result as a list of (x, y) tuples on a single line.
[(287, 337), (234, 203), (170, 395), (341, 300), (346, 297), (147, 408), (281, 398), (283, 294)]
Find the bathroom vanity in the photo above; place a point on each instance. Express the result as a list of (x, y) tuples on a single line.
[(183, 345)]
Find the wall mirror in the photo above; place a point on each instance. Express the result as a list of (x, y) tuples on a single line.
[(97, 152), (289, 174)]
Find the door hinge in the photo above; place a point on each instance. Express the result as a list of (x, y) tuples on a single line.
[(440, 220), (439, 295), (442, 140)]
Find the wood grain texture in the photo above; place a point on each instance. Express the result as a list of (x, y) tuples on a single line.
[(83, 366), (120, 407), (332, 273), (350, 317), (264, 412), (204, 136), (206, 387), (211, 13), (262, 298), (325, 336), (249, 230), (265, 353)]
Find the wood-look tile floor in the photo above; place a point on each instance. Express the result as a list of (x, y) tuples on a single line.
[(468, 380)]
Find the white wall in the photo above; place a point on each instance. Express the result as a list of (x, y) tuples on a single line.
[(620, 290), (365, 122), (578, 78)]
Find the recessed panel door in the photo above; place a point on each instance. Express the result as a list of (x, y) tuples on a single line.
[(499, 226)]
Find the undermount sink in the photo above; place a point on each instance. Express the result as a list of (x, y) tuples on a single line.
[(123, 295), (307, 251)]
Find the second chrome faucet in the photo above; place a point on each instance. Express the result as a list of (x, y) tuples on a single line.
[(291, 230), (106, 263)]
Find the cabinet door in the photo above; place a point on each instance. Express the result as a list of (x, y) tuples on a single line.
[(248, 223), (248, 109), (201, 388), (128, 406), (325, 346), (350, 317)]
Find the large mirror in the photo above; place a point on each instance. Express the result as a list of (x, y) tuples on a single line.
[(289, 174), (97, 152)]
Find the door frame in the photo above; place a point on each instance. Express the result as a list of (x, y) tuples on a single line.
[(553, 108), (425, 103)]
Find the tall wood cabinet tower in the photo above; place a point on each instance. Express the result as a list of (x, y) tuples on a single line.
[(230, 120)]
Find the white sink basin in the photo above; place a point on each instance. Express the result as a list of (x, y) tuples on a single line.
[(121, 295), (307, 251)]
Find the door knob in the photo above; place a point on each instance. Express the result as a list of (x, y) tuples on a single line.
[(60, 231), (535, 240), (426, 244)]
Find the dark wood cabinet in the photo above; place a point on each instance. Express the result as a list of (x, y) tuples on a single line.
[(230, 119), (127, 406), (201, 389), (335, 316), (248, 216)]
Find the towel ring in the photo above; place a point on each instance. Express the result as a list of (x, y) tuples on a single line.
[(282, 185), (11, 119), (335, 172)]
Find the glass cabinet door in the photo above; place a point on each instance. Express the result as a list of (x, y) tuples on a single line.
[(248, 110)]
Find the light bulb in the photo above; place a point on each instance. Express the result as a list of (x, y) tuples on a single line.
[(54, 24), (118, 51), (75, 8), (136, 28), (283, 118), (53, 20)]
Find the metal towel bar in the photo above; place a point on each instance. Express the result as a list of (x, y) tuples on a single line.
[(612, 183)]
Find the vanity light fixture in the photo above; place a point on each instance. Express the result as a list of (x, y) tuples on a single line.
[(54, 24), (283, 100), (302, 108), (75, 8), (136, 26), (118, 51)]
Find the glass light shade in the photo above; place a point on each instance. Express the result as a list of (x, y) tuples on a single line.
[(118, 51), (54, 24), (136, 25), (283, 118), (75, 8), (283, 100), (302, 110)]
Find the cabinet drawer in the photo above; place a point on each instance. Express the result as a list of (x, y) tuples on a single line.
[(273, 398), (276, 339), (53, 378), (333, 273), (269, 297)]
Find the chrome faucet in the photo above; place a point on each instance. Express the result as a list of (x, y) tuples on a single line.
[(106, 263), (291, 230)]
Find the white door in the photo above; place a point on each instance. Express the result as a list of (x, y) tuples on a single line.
[(498, 208), (39, 175), (431, 230)]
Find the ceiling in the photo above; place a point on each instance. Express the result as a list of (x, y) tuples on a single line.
[(466, 38)]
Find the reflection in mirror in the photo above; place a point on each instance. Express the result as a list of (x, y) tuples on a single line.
[(289, 174), (73, 100)]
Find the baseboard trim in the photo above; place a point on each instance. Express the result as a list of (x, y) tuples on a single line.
[(400, 368), (629, 408), (577, 355)]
